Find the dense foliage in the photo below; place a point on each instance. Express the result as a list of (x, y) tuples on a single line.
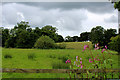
[(102, 36), (115, 43), (22, 36), (45, 42)]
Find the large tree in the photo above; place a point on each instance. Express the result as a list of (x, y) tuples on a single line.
[(5, 36), (97, 35), (85, 36), (50, 31), (108, 34)]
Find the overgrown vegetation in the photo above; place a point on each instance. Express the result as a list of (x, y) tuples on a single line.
[(115, 43), (45, 42), (31, 56), (7, 56), (60, 65)]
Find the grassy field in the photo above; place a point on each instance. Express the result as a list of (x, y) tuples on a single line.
[(48, 59)]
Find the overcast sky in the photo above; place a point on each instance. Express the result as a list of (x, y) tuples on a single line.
[(70, 18)]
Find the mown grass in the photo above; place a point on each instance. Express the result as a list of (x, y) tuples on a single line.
[(47, 59)]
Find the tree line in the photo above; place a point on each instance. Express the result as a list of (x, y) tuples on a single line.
[(22, 36)]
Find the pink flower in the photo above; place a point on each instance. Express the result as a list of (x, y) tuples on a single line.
[(105, 46), (81, 66), (95, 45), (76, 58), (94, 58), (98, 59), (86, 46), (68, 61), (80, 62), (90, 61), (103, 50), (80, 58)]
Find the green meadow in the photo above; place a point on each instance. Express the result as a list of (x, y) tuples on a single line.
[(50, 59)]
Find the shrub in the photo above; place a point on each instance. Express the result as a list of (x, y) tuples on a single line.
[(52, 56), (115, 43), (7, 56), (63, 58), (45, 42), (31, 56), (60, 65)]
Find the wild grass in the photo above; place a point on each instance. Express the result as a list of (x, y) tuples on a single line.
[(48, 59)]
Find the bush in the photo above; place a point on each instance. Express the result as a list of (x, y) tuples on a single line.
[(45, 42), (63, 58), (60, 65), (52, 56), (115, 43), (31, 56), (7, 56)]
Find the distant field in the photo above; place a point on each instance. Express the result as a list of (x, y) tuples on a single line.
[(46, 59), (77, 45)]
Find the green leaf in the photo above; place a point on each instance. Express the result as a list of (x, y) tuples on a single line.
[(96, 76), (88, 72)]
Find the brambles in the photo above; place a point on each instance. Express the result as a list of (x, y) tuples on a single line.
[(60, 65), (7, 56), (31, 56)]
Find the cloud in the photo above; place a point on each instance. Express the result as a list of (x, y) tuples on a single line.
[(112, 19), (95, 7), (20, 17), (69, 18)]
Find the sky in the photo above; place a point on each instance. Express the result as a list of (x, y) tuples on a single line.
[(70, 18)]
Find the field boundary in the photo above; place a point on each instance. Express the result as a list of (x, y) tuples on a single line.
[(6, 70)]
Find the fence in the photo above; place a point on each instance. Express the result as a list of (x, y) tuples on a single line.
[(77, 71)]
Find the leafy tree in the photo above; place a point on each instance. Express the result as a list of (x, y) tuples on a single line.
[(75, 38), (0, 36), (115, 43), (68, 39), (22, 25), (50, 31), (60, 38), (117, 5), (10, 42), (108, 34), (5, 36), (38, 31), (85, 36), (45, 42), (97, 35)]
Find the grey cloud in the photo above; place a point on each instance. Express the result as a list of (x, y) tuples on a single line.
[(112, 19), (38, 17), (95, 7), (67, 17)]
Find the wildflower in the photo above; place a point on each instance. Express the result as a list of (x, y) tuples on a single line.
[(76, 58), (98, 60), (68, 61), (90, 61), (80, 62), (74, 62), (105, 46), (86, 46), (80, 58), (81, 66), (97, 46), (94, 58), (103, 50)]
